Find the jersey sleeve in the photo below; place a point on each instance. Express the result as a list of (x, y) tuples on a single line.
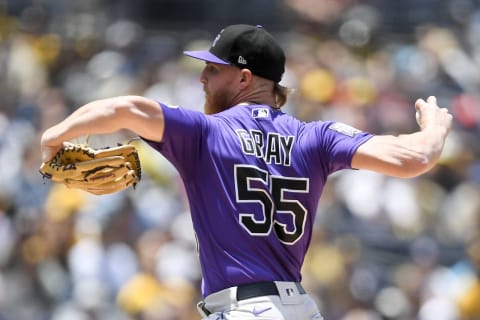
[(338, 143), (182, 138)]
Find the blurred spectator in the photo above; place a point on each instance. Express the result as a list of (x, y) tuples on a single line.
[(384, 248)]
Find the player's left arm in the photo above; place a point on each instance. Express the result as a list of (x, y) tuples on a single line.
[(408, 155), (138, 114)]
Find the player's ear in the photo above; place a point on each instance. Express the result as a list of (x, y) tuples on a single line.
[(246, 77)]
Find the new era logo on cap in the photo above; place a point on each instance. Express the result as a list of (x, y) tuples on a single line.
[(246, 46), (241, 60)]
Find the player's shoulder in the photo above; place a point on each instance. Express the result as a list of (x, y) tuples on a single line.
[(177, 108)]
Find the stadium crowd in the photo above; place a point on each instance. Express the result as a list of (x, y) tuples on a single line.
[(384, 248)]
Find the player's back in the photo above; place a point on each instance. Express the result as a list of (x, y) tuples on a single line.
[(258, 206), (253, 176)]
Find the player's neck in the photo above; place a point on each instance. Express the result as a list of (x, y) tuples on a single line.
[(259, 92), (263, 98), (247, 103)]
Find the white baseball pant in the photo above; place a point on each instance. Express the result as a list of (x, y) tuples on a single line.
[(287, 303)]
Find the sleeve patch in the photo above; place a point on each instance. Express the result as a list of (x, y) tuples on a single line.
[(344, 129)]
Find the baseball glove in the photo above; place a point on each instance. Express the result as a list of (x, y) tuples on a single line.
[(98, 171)]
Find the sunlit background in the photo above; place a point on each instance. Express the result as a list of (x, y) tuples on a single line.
[(383, 248)]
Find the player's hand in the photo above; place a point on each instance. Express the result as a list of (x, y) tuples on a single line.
[(49, 152), (48, 147), (429, 114)]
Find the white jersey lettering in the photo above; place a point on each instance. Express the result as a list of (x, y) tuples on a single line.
[(274, 148)]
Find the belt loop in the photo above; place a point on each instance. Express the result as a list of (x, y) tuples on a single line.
[(300, 288), (204, 312), (233, 295)]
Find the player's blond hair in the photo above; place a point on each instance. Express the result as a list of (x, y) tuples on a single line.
[(281, 94)]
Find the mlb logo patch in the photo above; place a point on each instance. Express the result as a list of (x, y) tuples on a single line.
[(260, 113)]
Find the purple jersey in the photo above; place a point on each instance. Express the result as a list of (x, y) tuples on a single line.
[(253, 177)]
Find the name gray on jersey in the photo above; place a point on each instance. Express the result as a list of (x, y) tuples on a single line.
[(273, 148)]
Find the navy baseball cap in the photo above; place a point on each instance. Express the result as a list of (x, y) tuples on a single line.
[(247, 47)]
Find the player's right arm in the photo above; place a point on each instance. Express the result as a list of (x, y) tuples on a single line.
[(138, 114), (408, 155)]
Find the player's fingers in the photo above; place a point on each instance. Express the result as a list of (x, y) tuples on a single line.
[(419, 104), (49, 152), (432, 100)]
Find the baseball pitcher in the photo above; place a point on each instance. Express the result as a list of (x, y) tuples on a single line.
[(254, 174)]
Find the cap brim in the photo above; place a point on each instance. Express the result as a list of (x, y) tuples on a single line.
[(205, 55)]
